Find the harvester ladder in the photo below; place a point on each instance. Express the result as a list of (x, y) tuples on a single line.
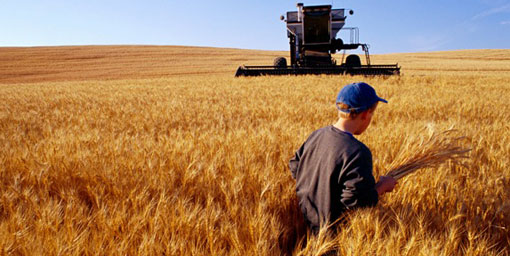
[(367, 55), (343, 56)]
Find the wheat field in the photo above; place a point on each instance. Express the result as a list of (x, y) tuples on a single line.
[(159, 150)]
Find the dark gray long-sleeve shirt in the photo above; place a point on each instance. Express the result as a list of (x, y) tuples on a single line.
[(333, 172)]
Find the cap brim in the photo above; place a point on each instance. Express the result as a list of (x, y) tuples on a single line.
[(383, 100)]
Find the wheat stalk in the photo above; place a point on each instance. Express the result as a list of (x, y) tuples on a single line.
[(430, 152)]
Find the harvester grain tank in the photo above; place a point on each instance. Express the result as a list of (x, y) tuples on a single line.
[(312, 33)]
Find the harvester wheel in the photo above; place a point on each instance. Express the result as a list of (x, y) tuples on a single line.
[(353, 60), (280, 62)]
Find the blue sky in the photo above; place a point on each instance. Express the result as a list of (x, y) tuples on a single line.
[(387, 26)]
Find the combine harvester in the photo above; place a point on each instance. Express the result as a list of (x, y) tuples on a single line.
[(312, 32)]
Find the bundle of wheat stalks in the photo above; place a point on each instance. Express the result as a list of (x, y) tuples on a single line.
[(429, 152)]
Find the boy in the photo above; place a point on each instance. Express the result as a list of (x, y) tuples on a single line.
[(333, 170)]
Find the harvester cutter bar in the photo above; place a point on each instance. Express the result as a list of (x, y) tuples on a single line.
[(366, 70)]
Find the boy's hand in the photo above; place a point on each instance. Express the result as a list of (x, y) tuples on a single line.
[(385, 184)]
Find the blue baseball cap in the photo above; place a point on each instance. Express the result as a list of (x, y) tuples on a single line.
[(358, 96)]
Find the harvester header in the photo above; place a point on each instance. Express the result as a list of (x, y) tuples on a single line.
[(312, 33)]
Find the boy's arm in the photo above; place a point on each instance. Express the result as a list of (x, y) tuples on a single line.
[(357, 183), (294, 162)]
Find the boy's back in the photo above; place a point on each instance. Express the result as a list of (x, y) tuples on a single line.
[(333, 172)]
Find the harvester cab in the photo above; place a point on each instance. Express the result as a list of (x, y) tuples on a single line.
[(312, 33)]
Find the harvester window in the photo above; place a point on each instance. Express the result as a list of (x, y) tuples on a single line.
[(316, 27)]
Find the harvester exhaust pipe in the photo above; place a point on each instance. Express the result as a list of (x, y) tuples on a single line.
[(299, 12)]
